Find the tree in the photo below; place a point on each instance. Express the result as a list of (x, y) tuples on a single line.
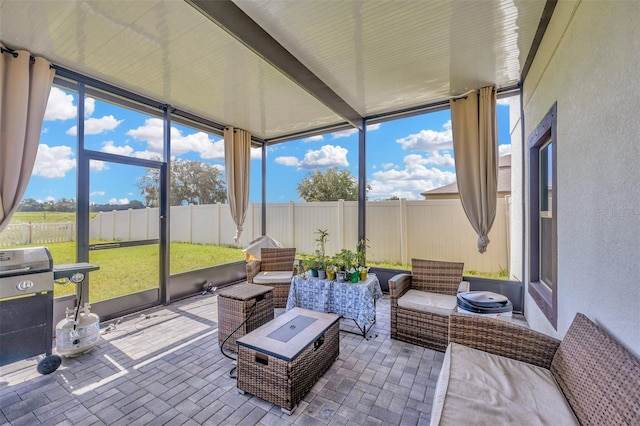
[(65, 205), (192, 181), (30, 205), (332, 185)]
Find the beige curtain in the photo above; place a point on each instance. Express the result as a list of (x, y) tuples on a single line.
[(237, 157), (475, 149), (24, 91)]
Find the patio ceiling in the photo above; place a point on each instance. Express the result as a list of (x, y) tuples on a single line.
[(317, 65)]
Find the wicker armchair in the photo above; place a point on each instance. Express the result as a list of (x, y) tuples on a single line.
[(275, 269), (422, 301)]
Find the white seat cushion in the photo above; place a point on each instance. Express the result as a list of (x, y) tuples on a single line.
[(485, 389), (272, 277), (435, 303)]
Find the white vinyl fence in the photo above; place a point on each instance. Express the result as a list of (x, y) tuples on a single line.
[(37, 233), (397, 230)]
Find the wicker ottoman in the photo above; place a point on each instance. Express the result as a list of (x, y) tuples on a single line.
[(282, 360), (235, 304)]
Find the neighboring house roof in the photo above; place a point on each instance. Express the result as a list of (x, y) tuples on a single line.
[(504, 182)]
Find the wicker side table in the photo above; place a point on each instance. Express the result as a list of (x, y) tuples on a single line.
[(236, 304)]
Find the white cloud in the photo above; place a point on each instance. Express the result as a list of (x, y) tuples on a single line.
[(504, 149), (436, 159), (410, 180), (349, 132), (287, 161), (315, 138), (152, 133), (127, 151), (326, 156), (344, 133), (110, 148), (256, 153), (95, 126), (60, 106), (89, 106), (97, 193), (118, 201), (53, 162), (429, 140), (504, 101), (98, 165)]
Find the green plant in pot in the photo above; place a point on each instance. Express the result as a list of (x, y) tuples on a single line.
[(311, 263), (322, 240), (348, 261), (321, 258), (331, 267), (361, 251)]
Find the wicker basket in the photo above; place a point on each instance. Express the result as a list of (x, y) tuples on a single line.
[(235, 304)]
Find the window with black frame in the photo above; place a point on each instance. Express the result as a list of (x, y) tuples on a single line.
[(543, 217)]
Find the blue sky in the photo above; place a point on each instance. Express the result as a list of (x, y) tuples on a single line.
[(404, 157)]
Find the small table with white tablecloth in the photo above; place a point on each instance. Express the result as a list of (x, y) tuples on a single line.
[(356, 301)]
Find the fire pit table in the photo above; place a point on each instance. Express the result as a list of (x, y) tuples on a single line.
[(282, 360)]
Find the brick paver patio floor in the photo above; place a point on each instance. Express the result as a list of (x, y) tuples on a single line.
[(167, 369)]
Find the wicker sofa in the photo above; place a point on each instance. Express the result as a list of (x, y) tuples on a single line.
[(422, 301), (496, 372)]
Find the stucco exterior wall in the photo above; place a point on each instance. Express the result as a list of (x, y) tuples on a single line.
[(516, 213), (589, 63)]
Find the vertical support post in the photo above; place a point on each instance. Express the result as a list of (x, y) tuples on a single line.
[(82, 195), (264, 188), (362, 180), (165, 185)]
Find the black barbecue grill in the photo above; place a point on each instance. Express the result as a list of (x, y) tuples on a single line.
[(26, 307)]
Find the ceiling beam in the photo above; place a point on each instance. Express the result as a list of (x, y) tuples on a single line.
[(238, 24)]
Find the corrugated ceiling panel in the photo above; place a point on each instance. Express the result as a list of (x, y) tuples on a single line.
[(382, 56), (167, 51), (379, 56)]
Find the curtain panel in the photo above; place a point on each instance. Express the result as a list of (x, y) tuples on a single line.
[(237, 157), (25, 83), (475, 150)]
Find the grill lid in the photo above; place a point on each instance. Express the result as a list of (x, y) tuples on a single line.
[(25, 261)]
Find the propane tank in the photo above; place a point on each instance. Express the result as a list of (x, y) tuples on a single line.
[(77, 334)]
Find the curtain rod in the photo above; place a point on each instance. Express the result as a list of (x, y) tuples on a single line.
[(9, 51), (32, 59)]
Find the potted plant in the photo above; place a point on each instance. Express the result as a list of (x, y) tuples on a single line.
[(363, 271), (322, 240), (361, 251), (313, 263), (348, 262), (331, 268), (321, 262)]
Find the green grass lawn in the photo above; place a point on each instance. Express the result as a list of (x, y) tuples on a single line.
[(45, 217), (503, 274), (130, 269)]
